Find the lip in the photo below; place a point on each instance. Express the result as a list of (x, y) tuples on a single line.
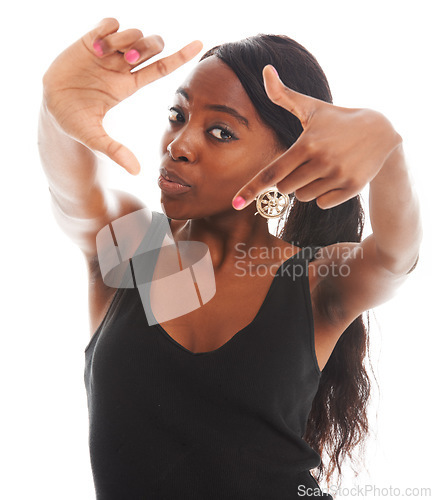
[(172, 187), (170, 175)]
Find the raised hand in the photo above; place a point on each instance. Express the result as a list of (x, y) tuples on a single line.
[(339, 151), (94, 74)]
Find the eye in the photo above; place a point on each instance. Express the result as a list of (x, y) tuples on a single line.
[(222, 134), (175, 115)]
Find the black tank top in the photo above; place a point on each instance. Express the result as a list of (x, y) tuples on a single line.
[(167, 423)]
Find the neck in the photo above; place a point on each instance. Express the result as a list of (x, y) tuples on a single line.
[(229, 235)]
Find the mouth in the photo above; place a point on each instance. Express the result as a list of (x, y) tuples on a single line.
[(169, 186), (173, 178)]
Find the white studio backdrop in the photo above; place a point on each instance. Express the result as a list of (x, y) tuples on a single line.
[(375, 55)]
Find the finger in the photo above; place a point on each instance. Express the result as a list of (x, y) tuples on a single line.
[(334, 198), (314, 189), (269, 176), (300, 105), (115, 150), (105, 27), (143, 49), (135, 47), (167, 65), (119, 41), (302, 177)]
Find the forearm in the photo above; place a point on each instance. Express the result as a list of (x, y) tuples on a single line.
[(70, 167), (395, 214)]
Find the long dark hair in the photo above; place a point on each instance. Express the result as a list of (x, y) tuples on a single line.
[(338, 420)]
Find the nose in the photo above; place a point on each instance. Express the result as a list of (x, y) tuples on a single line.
[(180, 150), (175, 158)]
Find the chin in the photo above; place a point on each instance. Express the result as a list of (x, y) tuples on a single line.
[(173, 210)]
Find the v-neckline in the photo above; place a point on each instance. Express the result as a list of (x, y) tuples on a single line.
[(237, 334)]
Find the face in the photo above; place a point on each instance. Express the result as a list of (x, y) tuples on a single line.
[(214, 141)]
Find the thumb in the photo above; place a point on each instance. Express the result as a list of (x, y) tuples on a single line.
[(300, 105), (116, 152)]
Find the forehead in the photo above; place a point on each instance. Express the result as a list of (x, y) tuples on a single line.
[(214, 81)]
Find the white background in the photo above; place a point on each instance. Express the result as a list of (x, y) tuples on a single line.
[(375, 55)]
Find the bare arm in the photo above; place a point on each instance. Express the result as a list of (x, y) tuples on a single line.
[(81, 85), (71, 169), (395, 214), (338, 153), (382, 262)]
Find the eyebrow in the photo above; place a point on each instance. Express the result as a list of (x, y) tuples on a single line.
[(218, 107)]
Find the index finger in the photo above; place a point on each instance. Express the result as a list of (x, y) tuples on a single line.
[(167, 65), (269, 176)]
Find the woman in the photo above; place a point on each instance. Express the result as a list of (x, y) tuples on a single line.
[(239, 396)]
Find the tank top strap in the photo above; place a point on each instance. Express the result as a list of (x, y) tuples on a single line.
[(297, 265), (146, 257), (308, 252), (155, 234)]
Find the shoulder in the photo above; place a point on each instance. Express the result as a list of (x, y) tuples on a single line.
[(351, 277)]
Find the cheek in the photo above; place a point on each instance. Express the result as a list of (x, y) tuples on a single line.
[(266, 154), (233, 166)]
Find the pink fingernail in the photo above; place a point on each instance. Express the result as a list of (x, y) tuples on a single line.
[(239, 202), (97, 46), (132, 56)]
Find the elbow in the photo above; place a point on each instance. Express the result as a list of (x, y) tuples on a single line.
[(401, 265)]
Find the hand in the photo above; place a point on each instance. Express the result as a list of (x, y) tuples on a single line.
[(85, 81), (339, 151)]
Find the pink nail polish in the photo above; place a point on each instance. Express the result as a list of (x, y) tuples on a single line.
[(97, 46), (132, 56), (239, 202)]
